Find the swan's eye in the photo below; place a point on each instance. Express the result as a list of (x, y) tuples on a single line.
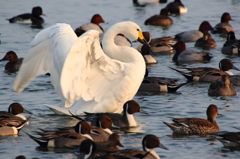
[(138, 30)]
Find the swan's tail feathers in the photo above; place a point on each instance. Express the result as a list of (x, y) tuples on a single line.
[(58, 110)]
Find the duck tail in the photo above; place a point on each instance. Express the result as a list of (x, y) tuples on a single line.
[(175, 88), (42, 143), (187, 76)]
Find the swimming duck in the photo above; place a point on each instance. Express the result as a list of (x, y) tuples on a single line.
[(158, 45), (232, 45), (147, 55), (149, 142), (34, 16), (12, 121), (20, 157), (206, 41), (66, 139), (107, 73), (94, 24), (189, 55), (209, 74), (222, 87), (196, 125), (146, 2), (160, 20), (223, 26), (159, 84), (13, 63), (101, 128), (120, 120), (176, 7), (194, 35), (230, 139)]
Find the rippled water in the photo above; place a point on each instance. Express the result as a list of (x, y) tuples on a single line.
[(190, 101)]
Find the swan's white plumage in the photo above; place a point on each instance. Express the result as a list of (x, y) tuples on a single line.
[(86, 78)]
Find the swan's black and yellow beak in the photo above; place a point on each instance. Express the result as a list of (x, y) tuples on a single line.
[(141, 39)]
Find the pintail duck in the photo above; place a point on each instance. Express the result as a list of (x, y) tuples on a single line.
[(206, 41), (232, 45), (149, 142), (12, 121), (13, 63), (100, 149), (230, 139), (34, 16), (176, 7), (61, 139), (209, 74), (224, 26), (196, 125), (101, 127), (158, 45), (94, 25), (120, 120), (159, 84), (160, 20), (147, 55), (194, 35), (222, 87), (189, 55)]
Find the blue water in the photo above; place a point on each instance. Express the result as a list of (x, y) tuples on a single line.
[(190, 101)]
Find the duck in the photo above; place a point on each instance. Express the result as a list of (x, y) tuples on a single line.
[(94, 24), (148, 55), (20, 157), (99, 69), (159, 84), (194, 35), (146, 2), (222, 87), (100, 128), (124, 120), (189, 55), (149, 142), (176, 7), (160, 20), (230, 139), (232, 45), (197, 126), (68, 139), (206, 41), (209, 74), (224, 26), (13, 120), (13, 64), (33, 17), (158, 45)]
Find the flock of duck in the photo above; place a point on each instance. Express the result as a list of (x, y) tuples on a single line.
[(93, 71)]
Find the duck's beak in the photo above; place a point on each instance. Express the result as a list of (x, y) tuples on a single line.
[(26, 111), (142, 40), (235, 68), (119, 144), (163, 147)]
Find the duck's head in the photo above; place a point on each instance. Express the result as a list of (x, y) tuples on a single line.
[(37, 11), (87, 148), (131, 107), (97, 19), (231, 36), (10, 56), (226, 64), (83, 127), (226, 17), (17, 108), (212, 111), (205, 26), (104, 122), (150, 142), (114, 140)]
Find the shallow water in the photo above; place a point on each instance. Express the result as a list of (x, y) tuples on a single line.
[(190, 101)]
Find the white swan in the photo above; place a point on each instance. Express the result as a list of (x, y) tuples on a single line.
[(86, 77)]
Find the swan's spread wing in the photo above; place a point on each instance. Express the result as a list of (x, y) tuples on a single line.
[(47, 54), (91, 75)]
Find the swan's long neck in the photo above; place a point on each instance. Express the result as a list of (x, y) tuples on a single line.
[(121, 53)]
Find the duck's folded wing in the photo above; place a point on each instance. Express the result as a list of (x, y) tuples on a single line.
[(91, 75), (47, 54)]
